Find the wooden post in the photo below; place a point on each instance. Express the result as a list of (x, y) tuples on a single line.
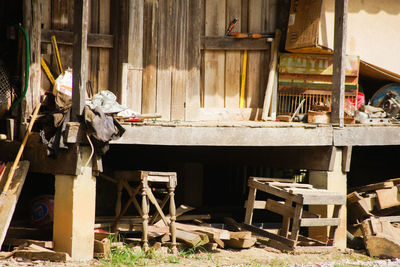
[(194, 27), (80, 53), (339, 58), (31, 23), (122, 33)]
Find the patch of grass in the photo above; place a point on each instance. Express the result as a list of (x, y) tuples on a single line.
[(172, 259), (126, 256), (120, 256)]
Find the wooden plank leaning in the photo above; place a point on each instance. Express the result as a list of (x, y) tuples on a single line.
[(271, 75)]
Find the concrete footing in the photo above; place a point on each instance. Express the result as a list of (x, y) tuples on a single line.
[(74, 212), (335, 180)]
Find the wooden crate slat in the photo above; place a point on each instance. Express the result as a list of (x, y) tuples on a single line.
[(310, 222)]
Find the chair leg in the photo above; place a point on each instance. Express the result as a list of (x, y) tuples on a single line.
[(286, 221), (172, 211), (332, 230), (250, 205), (298, 212), (145, 217)]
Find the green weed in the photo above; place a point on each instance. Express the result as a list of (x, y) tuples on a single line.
[(126, 256), (120, 256)]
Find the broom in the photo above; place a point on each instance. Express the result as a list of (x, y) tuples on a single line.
[(18, 157)]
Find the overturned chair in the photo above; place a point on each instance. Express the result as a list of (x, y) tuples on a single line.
[(294, 197)]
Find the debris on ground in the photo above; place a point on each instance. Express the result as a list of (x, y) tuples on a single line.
[(373, 215), (31, 251)]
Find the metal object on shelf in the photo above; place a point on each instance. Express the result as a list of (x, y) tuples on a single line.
[(388, 98)]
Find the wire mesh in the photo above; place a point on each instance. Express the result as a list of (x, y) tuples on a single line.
[(5, 86)]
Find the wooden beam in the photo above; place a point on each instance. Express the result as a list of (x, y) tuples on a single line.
[(80, 52), (193, 84), (331, 155), (10, 197), (339, 58), (311, 222), (36, 153), (263, 233), (121, 57), (228, 43), (31, 22), (67, 38), (150, 37), (226, 136), (346, 158), (383, 135)]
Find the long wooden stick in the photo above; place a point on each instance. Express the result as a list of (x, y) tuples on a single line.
[(57, 54), (21, 150), (271, 76)]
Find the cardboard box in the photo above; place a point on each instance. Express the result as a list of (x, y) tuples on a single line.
[(372, 30)]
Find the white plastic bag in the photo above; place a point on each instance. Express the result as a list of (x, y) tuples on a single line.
[(62, 90)]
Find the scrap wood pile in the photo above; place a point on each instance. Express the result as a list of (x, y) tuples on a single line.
[(203, 235), (191, 231), (374, 214), (34, 250)]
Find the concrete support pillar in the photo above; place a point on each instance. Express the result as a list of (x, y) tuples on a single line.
[(74, 211), (334, 180)]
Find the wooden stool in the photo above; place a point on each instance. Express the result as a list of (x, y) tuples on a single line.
[(295, 196), (145, 178)]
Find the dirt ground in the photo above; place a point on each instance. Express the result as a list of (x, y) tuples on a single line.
[(255, 256)]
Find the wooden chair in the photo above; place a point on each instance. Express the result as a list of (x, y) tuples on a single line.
[(295, 196), (146, 178)]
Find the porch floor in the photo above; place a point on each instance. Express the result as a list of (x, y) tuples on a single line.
[(256, 133)]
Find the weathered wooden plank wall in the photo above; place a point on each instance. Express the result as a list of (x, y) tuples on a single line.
[(179, 81), (195, 26), (150, 36), (164, 69), (214, 61), (159, 62), (233, 58), (166, 39), (58, 15)]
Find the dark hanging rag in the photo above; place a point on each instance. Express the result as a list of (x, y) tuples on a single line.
[(101, 128)]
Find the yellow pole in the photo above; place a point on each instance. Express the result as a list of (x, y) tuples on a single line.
[(56, 54), (47, 70), (242, 88)]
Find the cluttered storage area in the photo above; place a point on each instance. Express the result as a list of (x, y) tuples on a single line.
[(236, 72)]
